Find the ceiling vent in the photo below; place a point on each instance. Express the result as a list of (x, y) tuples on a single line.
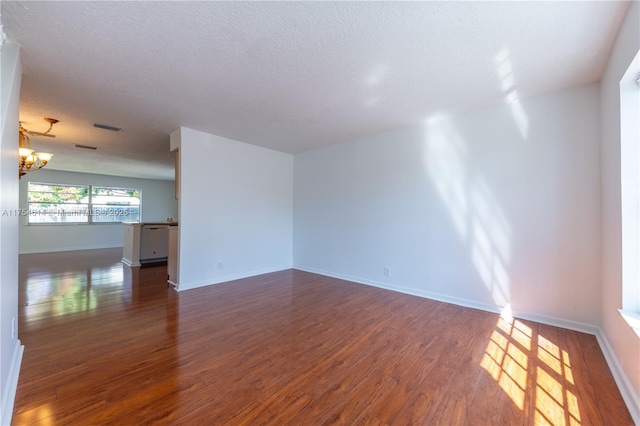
[(77, 145), (107, 127)]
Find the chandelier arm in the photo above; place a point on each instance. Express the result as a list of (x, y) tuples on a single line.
[(51, 122), (49, 129), (25, 137)]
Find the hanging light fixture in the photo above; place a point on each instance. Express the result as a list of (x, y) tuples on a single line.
[(28, 159)]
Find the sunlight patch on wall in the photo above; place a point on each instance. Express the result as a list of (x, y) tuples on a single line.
[(444, 161), (474, 210), (504, 69), (490, 243)]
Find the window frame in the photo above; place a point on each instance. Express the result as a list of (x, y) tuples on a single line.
[(89, 206), (630, 193)]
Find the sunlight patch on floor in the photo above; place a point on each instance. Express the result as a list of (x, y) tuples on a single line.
[(506, 361), (59, 294), (41, 415), (516, 358)]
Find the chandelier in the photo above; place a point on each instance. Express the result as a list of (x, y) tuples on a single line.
[(28, 159)]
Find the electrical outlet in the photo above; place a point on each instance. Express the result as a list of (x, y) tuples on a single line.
[(13, 327), (387, 271)]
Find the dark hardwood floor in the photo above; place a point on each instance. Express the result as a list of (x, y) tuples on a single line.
[(106, 344)]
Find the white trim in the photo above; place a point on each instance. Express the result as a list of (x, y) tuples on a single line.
[(406, 290), (55, 250), (629, 103), (131, 264), (227, 278), (559, 322), (628, 392), (632, 318), (9, 394)]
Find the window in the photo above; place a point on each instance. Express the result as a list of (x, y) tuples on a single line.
[(53, 203), (114, 204), (630, 192)]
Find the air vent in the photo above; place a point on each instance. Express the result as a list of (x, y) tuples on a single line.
[(107, 127), (77, 145)]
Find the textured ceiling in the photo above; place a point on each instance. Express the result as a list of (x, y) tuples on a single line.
[(290, 76)]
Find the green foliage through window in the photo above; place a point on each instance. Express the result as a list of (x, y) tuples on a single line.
[(58, 203)]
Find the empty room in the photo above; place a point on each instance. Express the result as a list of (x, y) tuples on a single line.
[(376, 213)]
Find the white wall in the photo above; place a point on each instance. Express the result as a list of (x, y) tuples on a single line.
[(624, 343), (496, 206), (158, 202), (10, 347), (235, 209)]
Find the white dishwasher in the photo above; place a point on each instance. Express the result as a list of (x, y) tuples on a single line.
[(154, 243)]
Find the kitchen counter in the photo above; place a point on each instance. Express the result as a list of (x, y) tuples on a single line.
[(150, 223)]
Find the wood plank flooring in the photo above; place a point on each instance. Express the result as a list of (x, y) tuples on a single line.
[(106, 344)]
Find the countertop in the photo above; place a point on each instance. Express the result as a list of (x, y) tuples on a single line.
[(150, 223)]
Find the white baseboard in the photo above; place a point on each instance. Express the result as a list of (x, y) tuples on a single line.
[(57, 249), (226, 278), (627, 390), (558, 322), (629, 394), (467, 303), (9, 393), (131, 264)]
